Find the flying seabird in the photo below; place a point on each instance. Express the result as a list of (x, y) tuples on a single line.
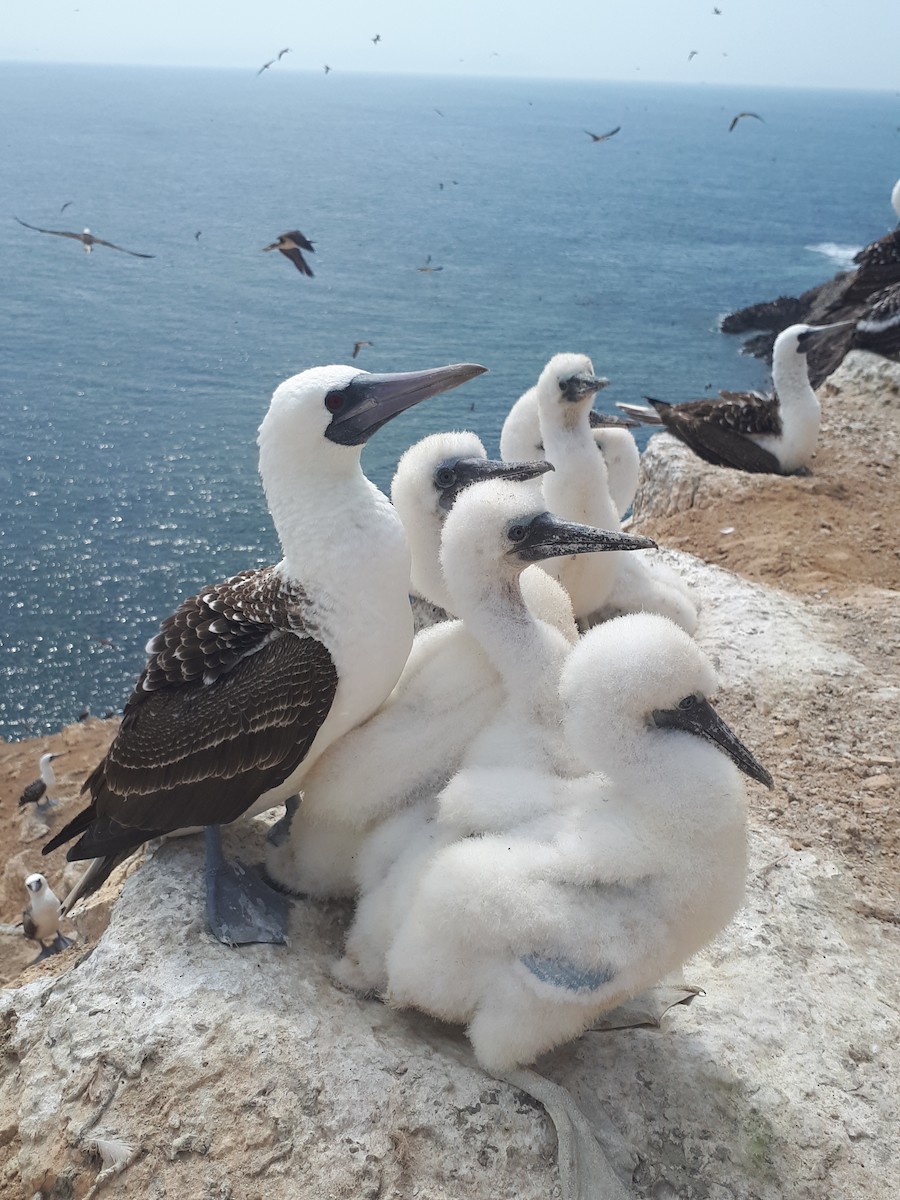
[(86, 238), (879, 329), (693, 54), (249, 680), (40, 920), (67, 204), (327, 68), (290, 244), (717, 12), (272, 61), (357, 346), (428, 267), (38, 791), (376, 39), (734, 120), (774, 434), (602, 137), (197, 235)]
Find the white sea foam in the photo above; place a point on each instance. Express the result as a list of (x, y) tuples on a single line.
[(842, 256)]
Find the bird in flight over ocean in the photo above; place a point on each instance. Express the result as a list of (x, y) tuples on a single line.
[(327, 68), (290, 244), (86, 238), (717, 12), (734, 120), (65, 206), (272, 61), (602, 137), (376, 39), (428, 266), (693, 54), (357, 346)]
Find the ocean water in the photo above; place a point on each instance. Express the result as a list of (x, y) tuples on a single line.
[(132, 389)]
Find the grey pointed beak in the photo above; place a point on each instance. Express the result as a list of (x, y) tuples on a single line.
[(369, 401), (34, 887), (816, 331), (466, 471), (608, 421), (703, 721), (546, 536), (584, 384)]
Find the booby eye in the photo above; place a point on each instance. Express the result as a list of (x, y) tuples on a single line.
[(687, 702), (517, 533), (334, 402), (445, 477)]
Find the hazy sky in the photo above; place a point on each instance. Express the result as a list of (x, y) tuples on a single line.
[(804, 43)]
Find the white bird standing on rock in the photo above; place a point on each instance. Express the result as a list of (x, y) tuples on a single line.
[(520, 439), (40, 920), (448, 691), (493, 532), (39, 791), (774, 434), (250, 680), (578, 489), (529, 935)]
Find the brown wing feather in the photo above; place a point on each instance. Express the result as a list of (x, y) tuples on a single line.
[(201, 755), (717, 429)]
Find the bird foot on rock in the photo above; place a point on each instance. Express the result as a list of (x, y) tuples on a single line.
[(241, 906)]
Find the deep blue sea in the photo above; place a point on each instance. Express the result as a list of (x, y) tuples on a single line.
[(132, 389)]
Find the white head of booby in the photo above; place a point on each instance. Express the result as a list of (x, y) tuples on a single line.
[(895, 199), (47, 773), (38, 791), (640, 865), (520, 438)]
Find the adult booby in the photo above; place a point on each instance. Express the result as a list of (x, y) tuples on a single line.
[(86, 238), (774, 434), (249, 681), (40, 920), (448, 691), (520, 438), (492, 534), (272, 61), (879, 329), (39, 790), (290, 245), (529, 935)]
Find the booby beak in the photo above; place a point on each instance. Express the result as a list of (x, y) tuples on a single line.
[(585, 383), (546, 536), (33, 885), (461, 473), (608, 421), (701, 719), (369, 401), (815, 331)]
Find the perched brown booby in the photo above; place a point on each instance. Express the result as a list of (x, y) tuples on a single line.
[(290, 244), (774, 434), (38, 791), (86, 238), (879, 329), (40, 920), (251, 679)]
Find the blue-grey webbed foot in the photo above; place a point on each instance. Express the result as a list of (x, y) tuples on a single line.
[(242, 908)]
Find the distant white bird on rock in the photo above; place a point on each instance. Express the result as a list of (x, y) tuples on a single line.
[(520, 439), (40, 920), (775, 434), (40, 791), (490, 536), (448, 691), (250, 680)]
